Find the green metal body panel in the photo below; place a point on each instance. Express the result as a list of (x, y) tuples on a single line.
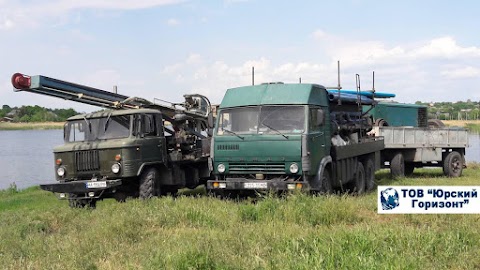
[(275, 94), (258, 150), (134, 151), (400, 114), (273, 154)]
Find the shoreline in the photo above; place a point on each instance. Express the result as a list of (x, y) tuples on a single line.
[(31, 126)]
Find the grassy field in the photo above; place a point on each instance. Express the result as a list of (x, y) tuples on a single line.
[(473, 125), (200, 232), (24, 126)]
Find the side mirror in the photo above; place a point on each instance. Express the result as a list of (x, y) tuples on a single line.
[(211, 121), (320, 118)]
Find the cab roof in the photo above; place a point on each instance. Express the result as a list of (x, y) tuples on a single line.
[(105, 113), (275, 94)]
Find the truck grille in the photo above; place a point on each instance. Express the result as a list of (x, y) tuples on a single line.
[(241, 168), (86, 161)]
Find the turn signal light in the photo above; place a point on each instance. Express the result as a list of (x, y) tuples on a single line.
[(299, 186), (118, 157), (20, 81), (216, 184), (58, 161)]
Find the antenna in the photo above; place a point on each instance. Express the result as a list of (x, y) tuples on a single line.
[(339, 87), (253, 75), (300, 80)]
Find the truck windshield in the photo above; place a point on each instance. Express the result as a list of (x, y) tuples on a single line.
[(92, 129), (262, 120)]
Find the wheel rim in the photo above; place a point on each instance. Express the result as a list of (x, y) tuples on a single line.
[(455, 164)]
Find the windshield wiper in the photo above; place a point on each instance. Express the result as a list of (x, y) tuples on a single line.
[(231, 132), (276, 130), (107, 121)]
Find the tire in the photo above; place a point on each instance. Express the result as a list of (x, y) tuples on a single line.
[(397, 166), (380, 122), (359, 187), (73, 202), (409, 167), (148, 182), (453, 164), (369, 175), (325, 182), (435, 123)]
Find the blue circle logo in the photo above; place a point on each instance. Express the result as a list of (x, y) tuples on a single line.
[(389, 199)]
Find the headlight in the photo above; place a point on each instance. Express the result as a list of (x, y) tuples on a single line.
[(116, 168), (61, 171), (293, 168), (221, 168)]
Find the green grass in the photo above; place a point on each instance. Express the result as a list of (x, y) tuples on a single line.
[(473, 127), (200, 232), (29, 126)]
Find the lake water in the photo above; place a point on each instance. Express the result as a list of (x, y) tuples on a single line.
[(26, 156)]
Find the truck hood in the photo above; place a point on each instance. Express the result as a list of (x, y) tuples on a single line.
[(96, 145), (258, 148)]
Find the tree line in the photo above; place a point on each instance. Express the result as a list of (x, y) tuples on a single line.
[(35, 114), (460, 110)]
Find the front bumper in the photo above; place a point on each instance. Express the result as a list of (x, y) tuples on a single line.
[(257, 185), (82, 187)]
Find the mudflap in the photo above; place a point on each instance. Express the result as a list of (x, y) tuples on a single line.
[(257, 185), (83, 188)]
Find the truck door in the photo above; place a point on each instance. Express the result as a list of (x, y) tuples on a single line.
[(152, 140), (317, 144)]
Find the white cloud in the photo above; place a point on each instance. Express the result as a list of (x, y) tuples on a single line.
[(20, 14), (414, 71), (462, 73), (173, 22)]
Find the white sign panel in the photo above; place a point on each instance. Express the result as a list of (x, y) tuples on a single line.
[(428, 200)]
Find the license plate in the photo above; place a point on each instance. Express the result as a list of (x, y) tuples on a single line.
[(100, 184), (255, 185)]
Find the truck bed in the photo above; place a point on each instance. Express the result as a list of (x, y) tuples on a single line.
[(414, 137)]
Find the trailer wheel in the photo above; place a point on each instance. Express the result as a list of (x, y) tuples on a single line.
[(397, 166), (73, 202), (453, 164), (409, 167), (359, 187), (369, 174), (148, 180)]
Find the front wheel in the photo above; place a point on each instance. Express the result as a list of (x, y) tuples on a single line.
[(453, 164), (73, 202), (148, 182)]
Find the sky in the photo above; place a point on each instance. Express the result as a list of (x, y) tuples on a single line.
[(419, 50)]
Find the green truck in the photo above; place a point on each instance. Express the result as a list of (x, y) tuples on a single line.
[(282, 137), (132, 148)]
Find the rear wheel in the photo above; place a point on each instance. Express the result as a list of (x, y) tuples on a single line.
[(326, 182), (148, 182), (369, 174), (359, 187), (397, 166), (453, 164)]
